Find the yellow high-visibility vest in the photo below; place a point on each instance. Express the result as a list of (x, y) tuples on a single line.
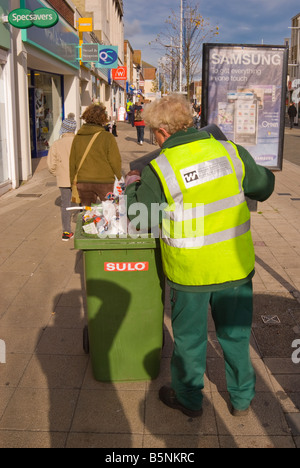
[(205, 232)]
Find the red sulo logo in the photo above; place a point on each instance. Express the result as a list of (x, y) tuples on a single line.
[(137, 266)]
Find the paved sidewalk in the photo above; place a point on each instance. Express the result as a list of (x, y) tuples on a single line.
[(48, 397)]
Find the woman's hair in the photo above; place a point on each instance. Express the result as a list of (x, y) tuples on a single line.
[(95, 114), (173, 113)]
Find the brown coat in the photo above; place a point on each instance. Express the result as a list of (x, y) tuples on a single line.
[(59, 157), (103, 161)]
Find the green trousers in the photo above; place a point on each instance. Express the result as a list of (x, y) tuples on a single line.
[(232, 311)]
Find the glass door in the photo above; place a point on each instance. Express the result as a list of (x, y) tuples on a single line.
[(46, 110)]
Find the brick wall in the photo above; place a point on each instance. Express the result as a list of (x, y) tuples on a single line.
[(64, 10)]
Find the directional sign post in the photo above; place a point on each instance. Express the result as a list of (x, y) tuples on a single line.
[(89, 52)]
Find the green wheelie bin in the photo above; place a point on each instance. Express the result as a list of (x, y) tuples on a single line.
[(124, 284)]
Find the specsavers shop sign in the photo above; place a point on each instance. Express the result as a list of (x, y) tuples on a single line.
[(24, 18)]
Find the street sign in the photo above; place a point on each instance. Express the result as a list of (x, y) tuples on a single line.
[(108, 57), (85, 25), (22, 18), (119, 73), (89, 52)]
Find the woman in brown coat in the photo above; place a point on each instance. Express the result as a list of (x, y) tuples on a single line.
[(96, 176)]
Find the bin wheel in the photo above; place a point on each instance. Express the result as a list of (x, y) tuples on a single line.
[(86, 342)]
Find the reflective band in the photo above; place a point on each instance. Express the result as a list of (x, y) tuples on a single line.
[(170, 178), (236, 162), (215, 238), (199, 209)]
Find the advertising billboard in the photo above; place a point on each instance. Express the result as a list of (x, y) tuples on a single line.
[(243, 93)]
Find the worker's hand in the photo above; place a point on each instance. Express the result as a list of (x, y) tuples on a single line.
[(132, 176)]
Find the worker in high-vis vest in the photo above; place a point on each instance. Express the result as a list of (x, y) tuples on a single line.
[(208, 257)]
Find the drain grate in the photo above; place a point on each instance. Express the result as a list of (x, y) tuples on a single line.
[(295, 199), (29, 195), (283, 194), (270, 319)]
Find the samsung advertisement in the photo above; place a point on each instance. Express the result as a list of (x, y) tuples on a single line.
[(244, 93)]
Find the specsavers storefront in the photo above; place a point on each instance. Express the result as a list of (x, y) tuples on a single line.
[(48, 81)]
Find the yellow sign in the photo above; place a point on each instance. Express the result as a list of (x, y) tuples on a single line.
[(85, 24)]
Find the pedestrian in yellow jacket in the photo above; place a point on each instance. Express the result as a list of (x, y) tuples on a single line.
[(58, 161)]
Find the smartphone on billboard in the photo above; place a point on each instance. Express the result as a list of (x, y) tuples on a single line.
[(226, 118), (246, 119)]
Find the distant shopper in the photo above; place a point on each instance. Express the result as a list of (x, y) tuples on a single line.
[(96, 176), (130, 112), (58, 161), (292, 112), (139, 122)]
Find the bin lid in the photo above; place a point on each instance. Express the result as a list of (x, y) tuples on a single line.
[(84, 241)]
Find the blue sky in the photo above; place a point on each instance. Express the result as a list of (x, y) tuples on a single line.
[(249, 22)]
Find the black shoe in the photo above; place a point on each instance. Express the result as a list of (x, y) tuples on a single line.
[(168, 397)]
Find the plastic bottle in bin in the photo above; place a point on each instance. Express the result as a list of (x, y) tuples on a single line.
[(100, 224)]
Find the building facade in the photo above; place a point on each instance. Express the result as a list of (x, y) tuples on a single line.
[(9, 176), (42, 79), (108, 29)]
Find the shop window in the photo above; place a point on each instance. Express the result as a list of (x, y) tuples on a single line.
[(45, 102), (3, 133)]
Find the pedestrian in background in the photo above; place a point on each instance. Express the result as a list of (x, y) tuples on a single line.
[(139, 122), (58, 161), (130, 112), (208, 255), (96, 168), (292, 112)]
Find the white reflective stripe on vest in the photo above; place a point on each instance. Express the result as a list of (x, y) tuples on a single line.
[(238, 166), (170, 178), (211, 239), (203, 210)]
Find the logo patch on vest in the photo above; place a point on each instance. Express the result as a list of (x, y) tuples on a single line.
[(206, 172)]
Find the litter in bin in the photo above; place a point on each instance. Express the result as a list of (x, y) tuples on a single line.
[(108, 218)]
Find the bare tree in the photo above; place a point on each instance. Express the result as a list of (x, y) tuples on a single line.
[(196, 31)]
